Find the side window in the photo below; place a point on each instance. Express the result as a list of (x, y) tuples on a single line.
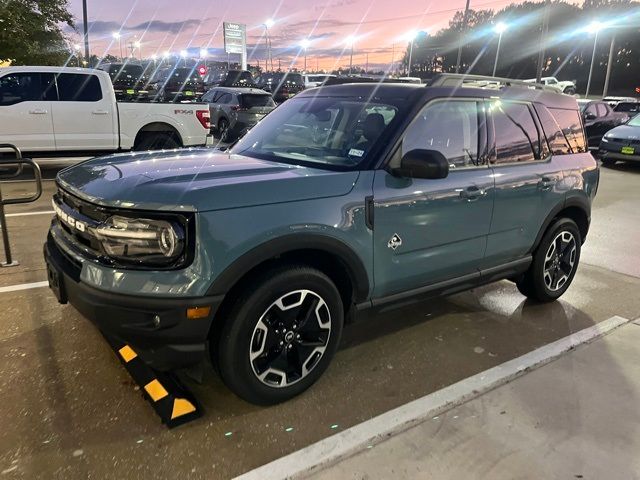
[(515, 133), (26, 87), (603, 109), (450, 127), (569, 121), (77, 87), (225, 98), (557, 141), (591, 110)]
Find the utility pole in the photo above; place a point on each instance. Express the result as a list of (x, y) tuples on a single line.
[(393, 56), (86, 30), (367, 67), (605, 90), (543, 34), (465, 19)]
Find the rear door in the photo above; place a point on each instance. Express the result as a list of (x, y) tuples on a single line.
[(528, 183), (83, 118), (427, 231), (26, 119)]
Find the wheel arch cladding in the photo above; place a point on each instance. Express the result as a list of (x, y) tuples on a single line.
[(331, 256), (576, 208)]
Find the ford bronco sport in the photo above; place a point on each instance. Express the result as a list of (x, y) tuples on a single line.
[(344, 198)]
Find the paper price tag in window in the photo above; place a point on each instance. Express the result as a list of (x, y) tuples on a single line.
[(354, 152)]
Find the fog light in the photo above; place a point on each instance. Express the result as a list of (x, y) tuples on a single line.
[(195, 313)]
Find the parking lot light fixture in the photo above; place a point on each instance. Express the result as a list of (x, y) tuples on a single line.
[(594, 28), (117, 36), (268, 23), (304, 45), (410, 36), (500, 28), (350, 41)]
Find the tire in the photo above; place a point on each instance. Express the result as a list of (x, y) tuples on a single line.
[(553, 267), (569, 91), (264, 353), (608, 162), (223, 129), (157, 141)]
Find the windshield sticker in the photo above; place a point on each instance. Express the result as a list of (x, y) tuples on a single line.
[(354, 152)]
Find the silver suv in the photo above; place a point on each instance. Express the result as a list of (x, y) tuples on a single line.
[(235, 110)]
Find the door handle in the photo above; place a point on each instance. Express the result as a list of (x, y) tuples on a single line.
[(100, 112), (38, 111), (546, 183), (471, 194)]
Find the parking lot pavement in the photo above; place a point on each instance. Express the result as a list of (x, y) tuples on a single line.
[(574, 418), (71, 411)]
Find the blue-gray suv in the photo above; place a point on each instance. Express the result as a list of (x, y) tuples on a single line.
[(344, 199)]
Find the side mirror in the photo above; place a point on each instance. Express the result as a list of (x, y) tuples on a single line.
[(590, 116), (420, 163)]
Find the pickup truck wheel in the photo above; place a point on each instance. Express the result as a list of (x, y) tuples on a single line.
[(280, 335), (569, 91), (555, 262), (156, 141)]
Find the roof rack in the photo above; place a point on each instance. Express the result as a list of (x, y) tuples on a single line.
[(482, 81)]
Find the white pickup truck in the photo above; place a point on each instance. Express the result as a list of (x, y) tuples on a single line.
[(563, 86), (63, 109)]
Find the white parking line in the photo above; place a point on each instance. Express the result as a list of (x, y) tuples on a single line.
[(26, 214), (349, 442), (23, 286)]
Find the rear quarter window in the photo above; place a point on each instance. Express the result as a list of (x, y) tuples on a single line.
[(558, 143), (571, 125)]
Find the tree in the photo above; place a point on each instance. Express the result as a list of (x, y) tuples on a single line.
[(31, 31)]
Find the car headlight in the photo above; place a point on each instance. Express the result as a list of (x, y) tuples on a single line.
[(141, 240)]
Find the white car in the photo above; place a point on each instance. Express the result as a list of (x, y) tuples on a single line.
[(565, 86), (316, 80), (63, 109)]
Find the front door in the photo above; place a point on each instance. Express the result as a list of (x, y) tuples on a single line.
[(427, 231), (83, 117), (25, 111)]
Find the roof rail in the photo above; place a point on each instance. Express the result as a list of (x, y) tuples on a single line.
[(482, 81)]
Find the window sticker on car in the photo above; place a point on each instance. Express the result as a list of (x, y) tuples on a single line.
[(354, 152)]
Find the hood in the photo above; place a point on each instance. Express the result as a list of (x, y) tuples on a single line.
[(198, 180), (625, 132)]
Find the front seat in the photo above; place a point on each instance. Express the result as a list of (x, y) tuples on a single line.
[(371, 130)]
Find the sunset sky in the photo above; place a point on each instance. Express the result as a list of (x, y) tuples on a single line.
[(170, 25)]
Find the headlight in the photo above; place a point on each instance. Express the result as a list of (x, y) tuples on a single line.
[(141, 240)]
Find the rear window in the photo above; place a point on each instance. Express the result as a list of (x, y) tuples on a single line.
[(74, 87), (135, 71), (183, 74), (571, 125), (252, 100), (295, 78)]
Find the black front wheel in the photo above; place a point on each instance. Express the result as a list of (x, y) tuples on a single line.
[(223, 129), (281, 335), (554, 264)]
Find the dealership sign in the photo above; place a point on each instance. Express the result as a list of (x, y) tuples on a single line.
[(235, 37)]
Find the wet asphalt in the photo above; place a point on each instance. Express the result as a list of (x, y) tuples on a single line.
[(71, 411)]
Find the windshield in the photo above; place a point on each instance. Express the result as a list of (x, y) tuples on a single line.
[(326, 132), (134, 71), (182, 74), (635, 121)]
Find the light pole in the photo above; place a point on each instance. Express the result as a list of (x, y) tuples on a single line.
[(350, 40), (500, 28), (138, 45), (204, 53), (594, 27), (411, 36), (85, 29), (76, 48), (304, 45), (267, 25), (465, 19), (165, 56), (183, 54), (117, 36), (605, 89)]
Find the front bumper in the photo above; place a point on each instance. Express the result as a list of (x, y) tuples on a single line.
[(174, 342), (613, 151)]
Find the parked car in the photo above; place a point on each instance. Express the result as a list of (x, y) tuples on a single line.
[(177, 84), (599, 118), (229, 78), (564, 86), (235, 110), (54, 109), (621, 143), (312, 80), (343, 199), (129, 80), (613, 100), (630, 108), (282, 85)]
